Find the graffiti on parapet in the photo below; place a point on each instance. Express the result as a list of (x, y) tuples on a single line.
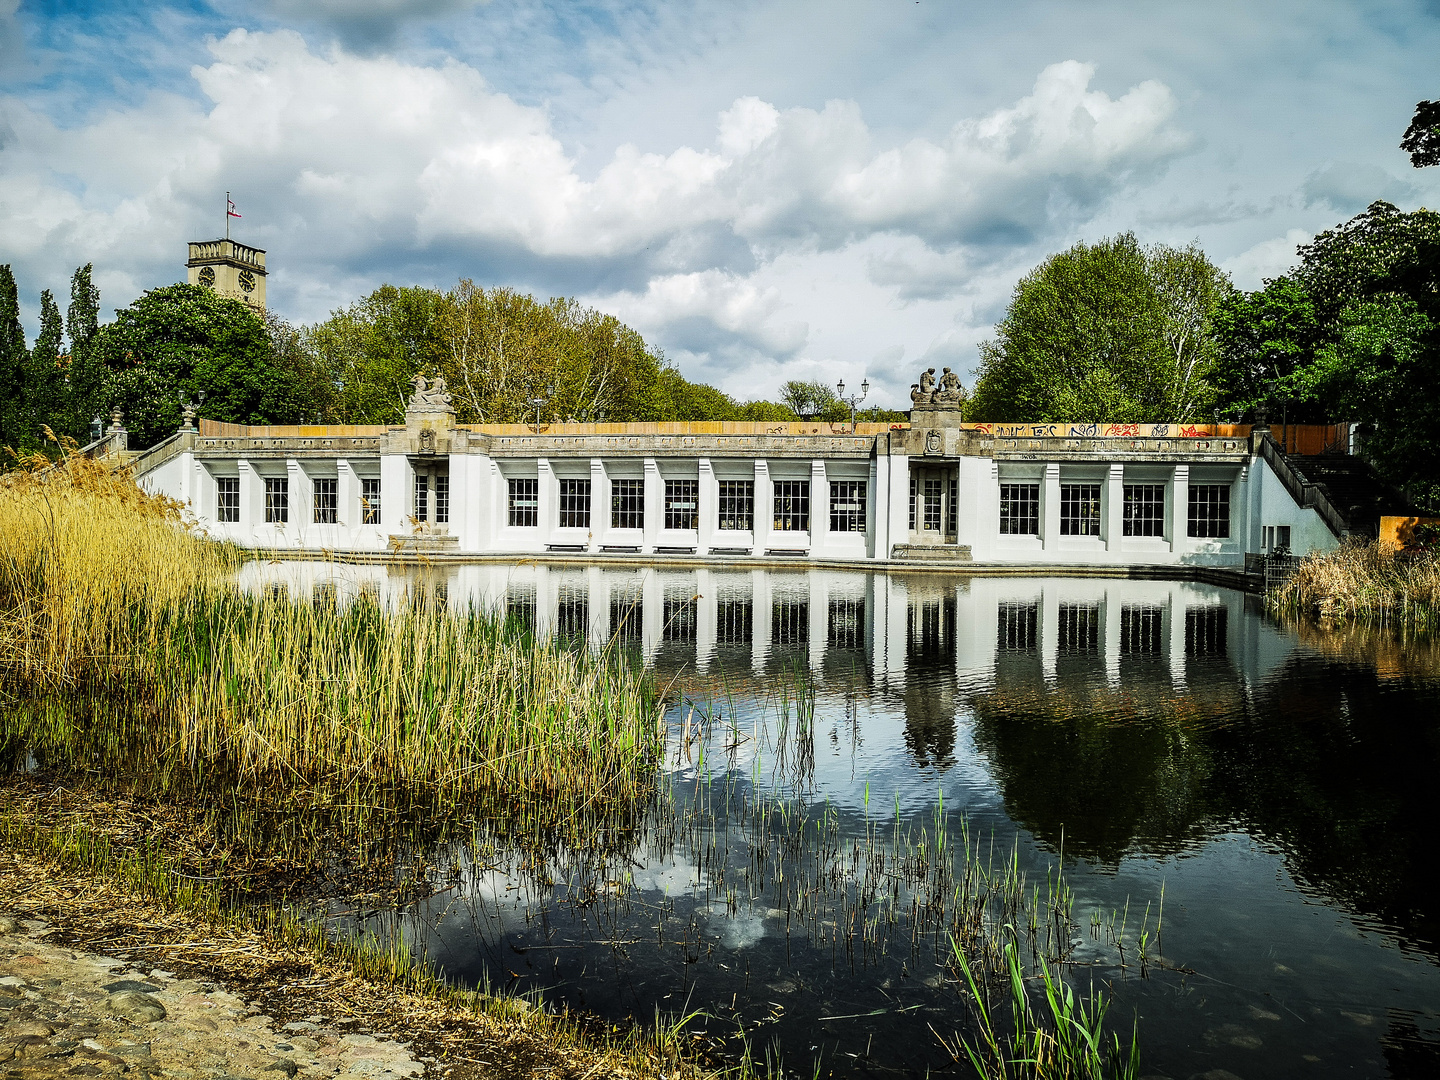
[(1122, 431), (1083, 431), (1109, 431)]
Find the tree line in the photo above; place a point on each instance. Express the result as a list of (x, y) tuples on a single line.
[(504, 354)]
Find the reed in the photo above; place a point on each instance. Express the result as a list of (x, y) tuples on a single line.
[(1364, 582), (118, 623)]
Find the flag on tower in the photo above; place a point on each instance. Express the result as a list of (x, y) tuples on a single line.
[(230, 209)]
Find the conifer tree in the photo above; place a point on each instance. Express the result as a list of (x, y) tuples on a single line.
[(86, 367), (44, 401), (13, 360)]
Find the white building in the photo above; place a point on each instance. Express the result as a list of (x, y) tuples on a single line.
[(998, 495)]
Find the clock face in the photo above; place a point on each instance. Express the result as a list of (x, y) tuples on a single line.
[(207, 277), (247, 281)]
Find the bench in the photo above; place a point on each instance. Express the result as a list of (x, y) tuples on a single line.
[(674, 550), (564, 547), (621, 549), (729, 551)]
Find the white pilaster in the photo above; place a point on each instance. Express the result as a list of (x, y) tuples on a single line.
[(347, 495), (899, 502), (708, 499), (599, 506), (1179, 508), (654, 504), (395, 484), (548, 501), (1050, 508), (764, 517), (1114, 524)]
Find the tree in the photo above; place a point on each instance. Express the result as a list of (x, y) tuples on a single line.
[(1110, 332), (174, 342), (1422, 137), (1262, 339), (86, 370), (13, 361), (814, 401), (44, 402)]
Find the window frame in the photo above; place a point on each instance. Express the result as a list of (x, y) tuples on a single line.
[(1208, 512), (848, 500), (1152, 522), (422, 497), (1025, 495), (369, 500), (227, 499), (277, 500), (575, 502), (325, 500), (677, 494), (1085, 497), (442, 499), (734, 505), (931, 495), (791, 502), (627, 504), (522, 502)]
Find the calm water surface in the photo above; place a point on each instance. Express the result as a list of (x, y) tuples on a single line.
[(1278, 784)]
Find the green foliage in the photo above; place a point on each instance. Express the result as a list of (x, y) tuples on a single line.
[(44, 390), (13, 361), (1422, 137), (1110, 332), (814, 401), (87, 370), (174, 342), (1263, 338)]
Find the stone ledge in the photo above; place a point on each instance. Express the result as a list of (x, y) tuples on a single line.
[(935, 553)]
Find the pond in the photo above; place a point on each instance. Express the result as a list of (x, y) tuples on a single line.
[(1243, 813)]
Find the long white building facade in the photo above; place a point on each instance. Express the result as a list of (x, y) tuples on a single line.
[(934, 490)]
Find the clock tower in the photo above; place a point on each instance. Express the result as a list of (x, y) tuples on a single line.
[(230, 268)]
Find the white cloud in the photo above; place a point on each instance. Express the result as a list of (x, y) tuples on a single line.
[(1267, 259)]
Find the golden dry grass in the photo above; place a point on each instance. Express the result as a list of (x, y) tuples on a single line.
[(1365, 581)]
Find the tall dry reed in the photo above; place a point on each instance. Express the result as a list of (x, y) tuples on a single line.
[(115, 619), (1365, 581)]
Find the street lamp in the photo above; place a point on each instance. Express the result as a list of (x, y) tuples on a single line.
[(537, 403), (853, 399)]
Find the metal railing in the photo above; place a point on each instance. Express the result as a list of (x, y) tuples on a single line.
[(1304, 493)]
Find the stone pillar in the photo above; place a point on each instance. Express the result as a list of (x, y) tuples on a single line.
[(1114, 524), (654, 504), (395, 482), (899, 502), (548, 503), (764, 515), (599, 503), (708, 498), (302, 499), (874, 509), (1179, 509), (1050, 508), (819, 507), (347, 495)]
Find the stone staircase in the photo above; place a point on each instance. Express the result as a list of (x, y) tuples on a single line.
[(1354, 489)]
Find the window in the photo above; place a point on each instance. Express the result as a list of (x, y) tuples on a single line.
[(1140, 630), (1020, 509), (442, 500), (422, 498), (1206, 631), (789, 622), (627, 504), (681, 503), (369, 501), (1144, 513), (737, 505), (847, 506), (227, 498), (846, 627), (1209, 510), (1079, 509), (277, 499), (326, 500), (914, 490), (574, 504), (1079, 629), (792, 505), (1282, 537), (734, 621), (932, 505), (525, 502), (1016, 626), (952, 514)]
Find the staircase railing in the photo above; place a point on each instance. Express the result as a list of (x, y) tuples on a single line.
[(1304, 493)]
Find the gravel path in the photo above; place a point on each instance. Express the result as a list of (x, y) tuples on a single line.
[(75, 1013)]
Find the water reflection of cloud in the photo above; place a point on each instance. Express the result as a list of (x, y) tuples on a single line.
[(735, 931)]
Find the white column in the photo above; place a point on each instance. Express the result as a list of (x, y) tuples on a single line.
[(599, 504), (654, 504), (202, 491), (1115, 510), (347, 495), (879, 508), (899, 502), (548, 502), (1179, 508), (764, 512), (819, 507), (707, 508), (874, 503), (302, 502), (252, 501), (704, 605), (1050, 508), (395, 481)]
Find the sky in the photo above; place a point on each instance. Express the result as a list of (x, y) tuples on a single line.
[(766, 191)]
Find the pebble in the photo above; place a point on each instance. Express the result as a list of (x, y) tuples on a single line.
[(134, 1005)]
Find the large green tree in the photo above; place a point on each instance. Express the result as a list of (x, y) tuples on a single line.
[(175, 342), (44, 403), (86, 369), (1422, 137), (1108, 332), (14, 359)]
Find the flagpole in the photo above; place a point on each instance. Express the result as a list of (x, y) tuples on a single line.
[(227, 215)]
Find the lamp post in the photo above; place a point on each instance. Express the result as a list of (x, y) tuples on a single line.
[(537, 403), (854, 399)]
